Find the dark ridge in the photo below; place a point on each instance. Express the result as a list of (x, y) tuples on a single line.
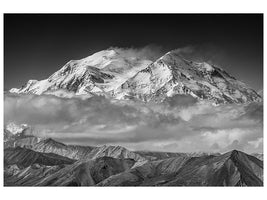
[(53, 142), (23, 157)]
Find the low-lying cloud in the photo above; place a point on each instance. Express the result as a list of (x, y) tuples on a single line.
[(178, 124)]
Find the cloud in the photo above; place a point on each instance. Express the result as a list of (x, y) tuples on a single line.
[(185, 50), (179, 124), (150, 52), (180, 100), (199, 53), (253, 111), (202, 53)]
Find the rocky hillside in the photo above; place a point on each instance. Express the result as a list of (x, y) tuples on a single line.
[(51, 163), (23, 157), (231, 169)]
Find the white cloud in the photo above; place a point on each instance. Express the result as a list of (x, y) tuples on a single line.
[(175, 125)]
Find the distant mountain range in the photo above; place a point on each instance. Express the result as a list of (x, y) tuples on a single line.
[(116, 75), (32, 161)]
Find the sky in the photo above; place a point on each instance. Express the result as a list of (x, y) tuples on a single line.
[(35, 45)]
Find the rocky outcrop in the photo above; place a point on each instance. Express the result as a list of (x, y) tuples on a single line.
[(23, 157), (49, 162), (231, 169), (80, 173)]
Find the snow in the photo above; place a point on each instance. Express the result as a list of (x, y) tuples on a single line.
[(109, 72), (96, 89), (14, 90), (207, 66), (15, 129), (100, 58), (41, 86)]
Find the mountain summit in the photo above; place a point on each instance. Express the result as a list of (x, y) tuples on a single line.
[(121, 76)]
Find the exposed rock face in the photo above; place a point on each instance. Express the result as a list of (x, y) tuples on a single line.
[(22, 136), (101, 72), (28, 176), (115, 75), (258, 155), (71, 151), (23, 157), (27, 167), (51, 163), (88, 173), (80, 173), (172, 74), (164, 155), (231, 169), (115, 152)]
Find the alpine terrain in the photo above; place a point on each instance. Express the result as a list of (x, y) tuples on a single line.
[(42, 159), (31, 161), (115, 75)]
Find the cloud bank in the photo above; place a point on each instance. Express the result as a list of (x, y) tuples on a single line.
[(179, 124)]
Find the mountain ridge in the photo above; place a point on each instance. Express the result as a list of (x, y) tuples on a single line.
[(27, 139), (115, 75), (53, 163), (195, 171)]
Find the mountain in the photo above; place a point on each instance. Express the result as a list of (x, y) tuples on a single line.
[(115, 152), (71, 151), (77, 152), (19, 135), (87, 173), (151, 156), (85, 152), (172, 74), (260, 92), (258, 155), (234, 168), (15, 129), (120, 76), (117, 166), (29, 176), (101, 72), (164, 155), (23, 157)]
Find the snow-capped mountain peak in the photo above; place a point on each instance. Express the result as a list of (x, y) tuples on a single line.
[(15, 129), (172, 74), (101, 72), (118, 75)]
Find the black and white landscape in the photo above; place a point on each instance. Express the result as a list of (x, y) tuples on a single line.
[(136, 117)]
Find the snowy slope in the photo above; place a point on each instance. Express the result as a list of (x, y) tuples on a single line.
[(113, 74), (172, 74), (102, 72)]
